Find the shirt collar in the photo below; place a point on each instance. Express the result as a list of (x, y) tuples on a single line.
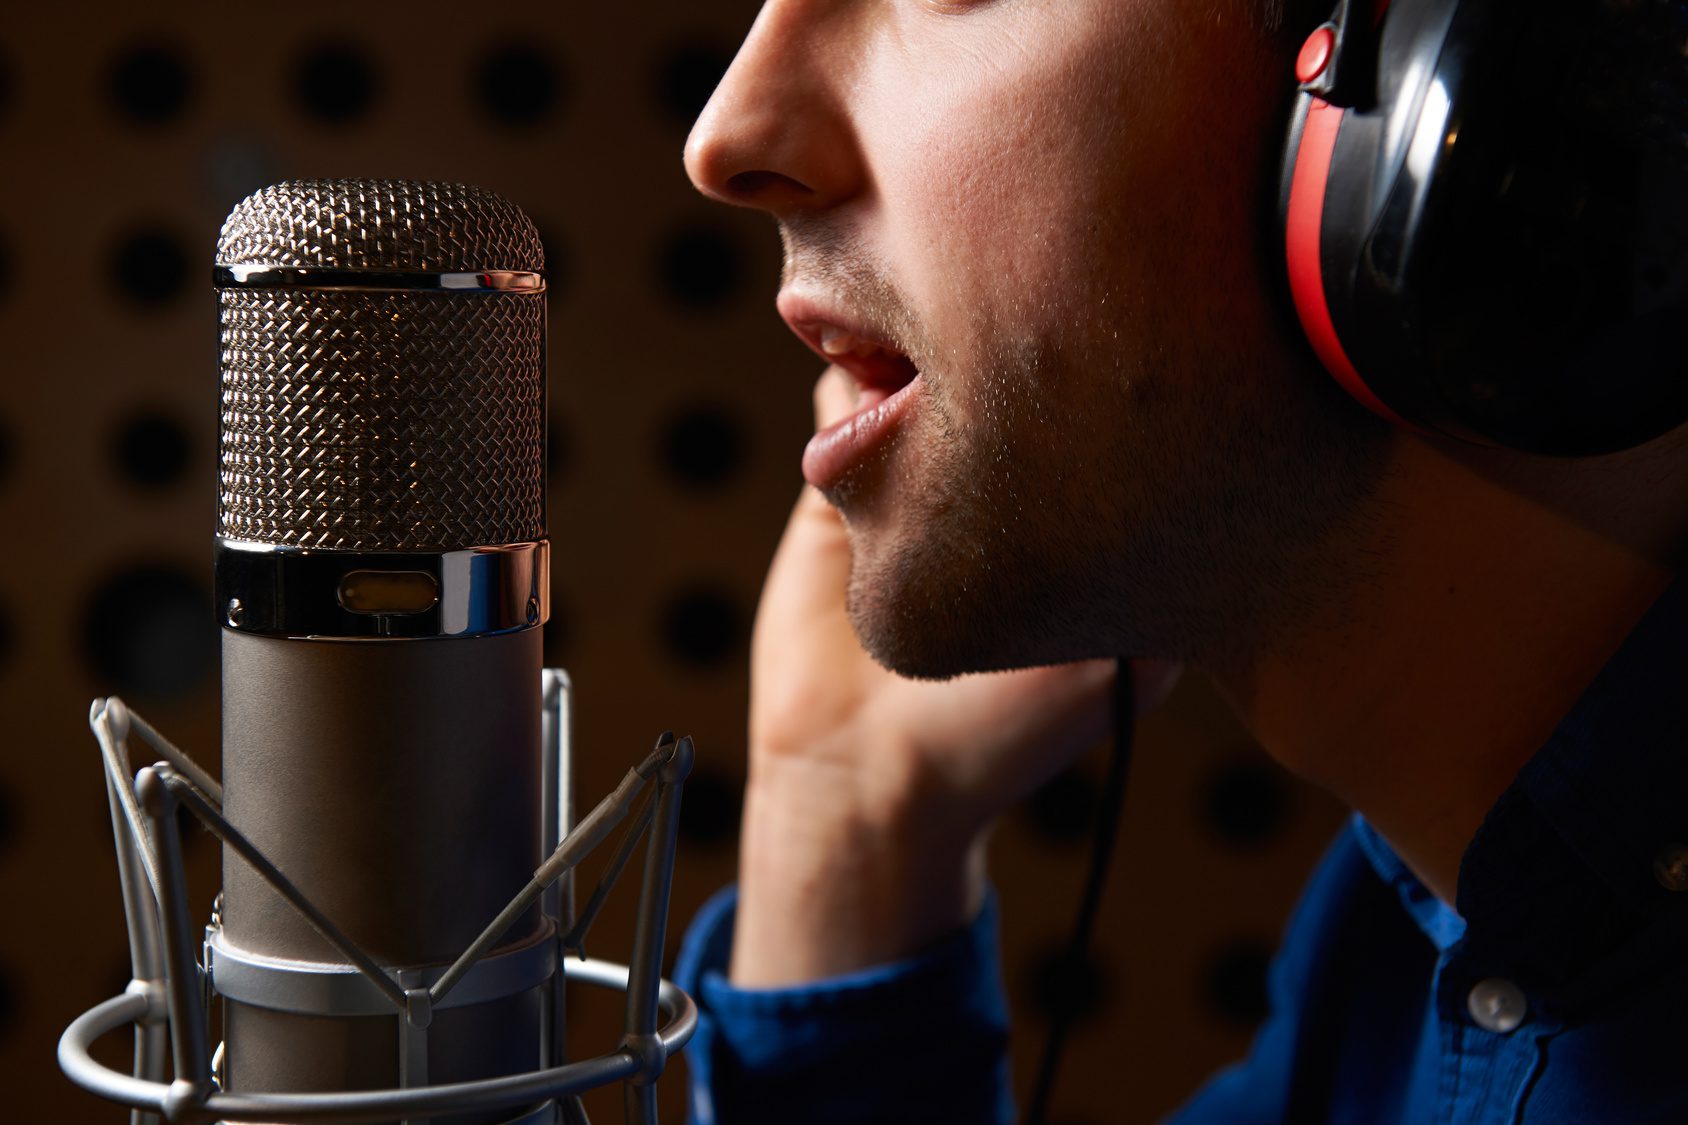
[(1440, 922), (1561, 870)]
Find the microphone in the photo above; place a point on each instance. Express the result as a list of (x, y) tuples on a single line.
[(395, 810), (382, 576)]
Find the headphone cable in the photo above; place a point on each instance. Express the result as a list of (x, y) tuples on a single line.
[(1102, 848)]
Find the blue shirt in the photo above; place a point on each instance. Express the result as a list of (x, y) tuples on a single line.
[(1557, 992)]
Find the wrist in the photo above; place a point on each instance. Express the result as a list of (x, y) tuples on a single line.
[(838, 872)]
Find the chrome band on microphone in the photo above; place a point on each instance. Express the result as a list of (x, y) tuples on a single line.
[(317, 277), (368, 595)]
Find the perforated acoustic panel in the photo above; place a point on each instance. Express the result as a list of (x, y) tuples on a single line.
[(677, 408)]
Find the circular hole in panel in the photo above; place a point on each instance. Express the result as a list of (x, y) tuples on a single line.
[(709, 811), (703, 445), (517, 84), (1246, 804), (1063, 809), (703, 627), (1234, 982), (335, 83), (685, 77), (151, 450), (150, 266), (149, 83), (149, 633), (1060, 986), (700, 267)]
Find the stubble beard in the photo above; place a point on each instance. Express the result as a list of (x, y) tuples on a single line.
[(1147, 514)]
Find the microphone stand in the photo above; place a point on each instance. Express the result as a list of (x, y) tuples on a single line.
[(172, 990)]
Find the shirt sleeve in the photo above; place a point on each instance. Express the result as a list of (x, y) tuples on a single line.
[(919, 1040)]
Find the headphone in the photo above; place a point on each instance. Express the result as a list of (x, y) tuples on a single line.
[(1485, 216)]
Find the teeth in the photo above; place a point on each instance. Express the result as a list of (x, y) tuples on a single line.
[(836, 341)]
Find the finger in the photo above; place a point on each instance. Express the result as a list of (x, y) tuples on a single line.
[(802, 629), (806, 665), (835, 397), (811, 566)]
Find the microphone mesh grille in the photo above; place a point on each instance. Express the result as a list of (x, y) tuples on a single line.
[(380, 225), (373, 420)]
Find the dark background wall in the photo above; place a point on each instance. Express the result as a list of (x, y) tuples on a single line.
[(679, 406)]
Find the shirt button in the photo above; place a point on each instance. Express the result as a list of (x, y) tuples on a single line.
[(1497, 1005), (1670, 867)]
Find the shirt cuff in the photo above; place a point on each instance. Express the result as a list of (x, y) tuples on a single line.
[(920, 1039)]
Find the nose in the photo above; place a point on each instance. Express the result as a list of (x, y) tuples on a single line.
[(776, 134)]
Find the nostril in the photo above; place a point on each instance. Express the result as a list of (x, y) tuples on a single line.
[(756, 186)]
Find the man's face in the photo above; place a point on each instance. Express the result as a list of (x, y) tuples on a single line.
[(1036, 236)]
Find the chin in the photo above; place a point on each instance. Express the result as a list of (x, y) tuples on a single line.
[(944, 645), (911, 655), (912, 623), (929, 615)]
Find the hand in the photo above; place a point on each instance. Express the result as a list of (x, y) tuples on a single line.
[(870, 795)]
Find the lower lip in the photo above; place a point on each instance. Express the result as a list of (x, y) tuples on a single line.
[(832, 452)]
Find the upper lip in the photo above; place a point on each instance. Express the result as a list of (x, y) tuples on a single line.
[(808, 317)]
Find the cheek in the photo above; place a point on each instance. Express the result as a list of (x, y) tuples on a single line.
[(1089, 200), (1008, 193), (999, 189)]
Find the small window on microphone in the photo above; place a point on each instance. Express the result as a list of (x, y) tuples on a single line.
[(388, 591)]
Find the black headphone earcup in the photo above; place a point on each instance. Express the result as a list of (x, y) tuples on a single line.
[(1503, 240)]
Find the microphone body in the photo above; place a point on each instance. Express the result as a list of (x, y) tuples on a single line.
[(396, 784), (382, 573)]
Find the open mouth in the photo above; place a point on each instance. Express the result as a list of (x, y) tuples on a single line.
[(878, 369), (886, 386)]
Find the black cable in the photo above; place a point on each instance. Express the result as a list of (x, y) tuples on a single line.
[(1102, 848)]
